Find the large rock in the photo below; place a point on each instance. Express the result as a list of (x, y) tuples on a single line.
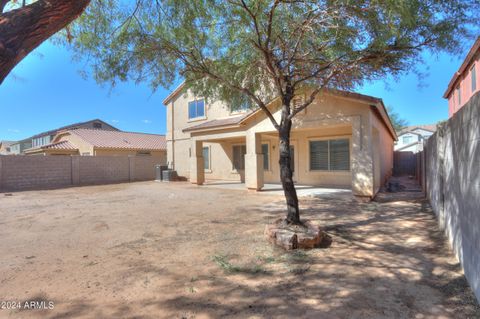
[(306, 236)]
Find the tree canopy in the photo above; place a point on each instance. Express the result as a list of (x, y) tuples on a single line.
[(233, 50), (252, 51), (397, 121)]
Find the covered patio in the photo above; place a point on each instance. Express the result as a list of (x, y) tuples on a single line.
[(276, 189)]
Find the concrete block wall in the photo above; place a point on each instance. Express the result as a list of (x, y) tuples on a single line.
[(453, 185), (19, 173)]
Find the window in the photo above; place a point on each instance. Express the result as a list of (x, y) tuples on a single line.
[(459, 97), (196, 109), (97, 125), (266, 157), (141, 153), (239, 152), (407, 139), (206, 157), (473, 74), (331, 155)]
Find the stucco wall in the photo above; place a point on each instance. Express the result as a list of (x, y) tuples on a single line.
[(329, 117), (44, 172), (465, 83), (453, 185)]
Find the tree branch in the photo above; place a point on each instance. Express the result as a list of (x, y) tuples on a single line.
[(24, 29)]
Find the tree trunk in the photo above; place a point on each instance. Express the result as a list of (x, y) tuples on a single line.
[(24, 29), (286, 173)]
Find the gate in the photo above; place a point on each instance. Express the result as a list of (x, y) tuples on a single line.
[(404, 163)]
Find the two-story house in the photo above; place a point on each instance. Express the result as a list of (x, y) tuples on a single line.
[(343, 139), (465, 82), (410, 139), (45, 138)]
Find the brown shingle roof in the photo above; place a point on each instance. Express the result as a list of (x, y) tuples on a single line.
[(121, 140), (70, 127), (234, 120)]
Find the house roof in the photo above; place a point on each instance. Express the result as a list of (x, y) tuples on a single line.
[(68, 127), (62, 145), (234, 120), (6, 143), (427, 127), (470, 56), (120, 140)]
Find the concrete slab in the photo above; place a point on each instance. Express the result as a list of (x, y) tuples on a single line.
[(276, 189)]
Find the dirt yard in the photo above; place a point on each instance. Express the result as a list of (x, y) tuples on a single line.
[(158, 250)]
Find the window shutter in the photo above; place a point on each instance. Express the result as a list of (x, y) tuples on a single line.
[(319, 155), (339, 155)]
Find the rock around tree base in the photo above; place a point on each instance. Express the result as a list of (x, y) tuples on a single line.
[(290, 237)]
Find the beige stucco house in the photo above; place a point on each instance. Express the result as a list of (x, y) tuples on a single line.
[(342, 140), (95, 142)]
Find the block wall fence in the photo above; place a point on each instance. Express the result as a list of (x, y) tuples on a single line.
[(450, 174), (18, 173)]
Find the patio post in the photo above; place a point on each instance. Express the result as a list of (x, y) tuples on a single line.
[(197, 171), (362, 158), (254, 161)]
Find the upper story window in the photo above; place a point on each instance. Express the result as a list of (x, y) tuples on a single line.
[(459, 97), (407, 139), (196, 109), (473, 76), (97, 125)]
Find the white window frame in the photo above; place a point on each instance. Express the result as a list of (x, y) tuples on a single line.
[(329, 138), (198, 118)]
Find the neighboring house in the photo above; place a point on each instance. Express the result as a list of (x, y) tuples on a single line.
[(5, 147), (94, 142), (465, 82), (410, 139), (47, 137), (343, 140), (19, 147)]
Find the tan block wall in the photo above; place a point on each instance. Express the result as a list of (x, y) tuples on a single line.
[(44, 172), (34, 172)]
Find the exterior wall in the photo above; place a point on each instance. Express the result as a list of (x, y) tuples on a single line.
[(329, 117), (465, 83), (19, 173), (19, 147), (162, 155), (453, 185), (177, 120)]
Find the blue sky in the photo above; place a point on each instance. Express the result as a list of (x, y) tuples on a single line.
[(46, 91)]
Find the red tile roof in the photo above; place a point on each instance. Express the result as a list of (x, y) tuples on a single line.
[(121, 140), (62, 145)]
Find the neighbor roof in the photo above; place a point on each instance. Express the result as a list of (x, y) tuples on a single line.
[(120, 140), (427, 127), (62, 145), (234, 120), (470, 56), (69, 127), (6, 143)]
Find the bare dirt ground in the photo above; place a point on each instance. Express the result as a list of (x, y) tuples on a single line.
[(159, 250)]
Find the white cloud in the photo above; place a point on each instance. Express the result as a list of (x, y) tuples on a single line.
[(147, 121), (114, 121), (13, 130)]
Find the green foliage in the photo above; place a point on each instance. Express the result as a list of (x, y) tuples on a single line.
[(397, 121), (252, 51)]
